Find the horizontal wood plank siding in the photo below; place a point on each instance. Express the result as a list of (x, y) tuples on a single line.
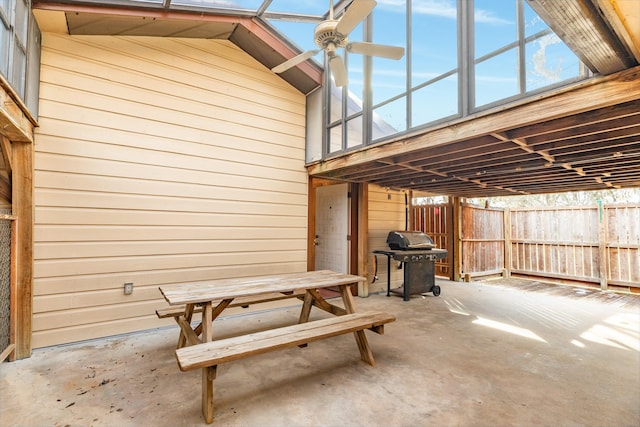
[(158, 160), (386, 213)]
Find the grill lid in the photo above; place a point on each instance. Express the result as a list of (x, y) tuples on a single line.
[(403, 240)]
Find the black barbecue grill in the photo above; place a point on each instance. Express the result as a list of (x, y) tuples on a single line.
[(417, 253)]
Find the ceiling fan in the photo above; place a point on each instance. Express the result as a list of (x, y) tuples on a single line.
[(333, 34)]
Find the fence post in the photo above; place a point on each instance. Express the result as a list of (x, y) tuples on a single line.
[(507, 242), (457, 239), (602, 246)]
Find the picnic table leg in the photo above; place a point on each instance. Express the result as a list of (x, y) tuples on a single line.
[(361, 339), (208, 375), (306, 311), (306, 307), (215, 312), (188, 314)]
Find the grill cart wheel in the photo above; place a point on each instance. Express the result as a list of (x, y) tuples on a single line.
[(436, 290)]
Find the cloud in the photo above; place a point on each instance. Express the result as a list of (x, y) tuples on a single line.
[(443, 9), (488, 17), (540, 66)]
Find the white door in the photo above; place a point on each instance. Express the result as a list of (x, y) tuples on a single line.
[(332, 228)]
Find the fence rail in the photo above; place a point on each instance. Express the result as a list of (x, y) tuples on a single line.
[(596, 244)]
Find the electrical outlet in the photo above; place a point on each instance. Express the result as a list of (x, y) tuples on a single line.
[(128, 288)]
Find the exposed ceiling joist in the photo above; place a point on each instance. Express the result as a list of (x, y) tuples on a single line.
[(586, 137)]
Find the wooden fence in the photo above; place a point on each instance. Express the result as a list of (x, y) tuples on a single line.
[(563, 243), (592, 244), (436, 222), (622, 225), (482, 240), (599, 244)]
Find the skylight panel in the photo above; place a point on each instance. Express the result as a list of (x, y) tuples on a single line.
[(252, 5)]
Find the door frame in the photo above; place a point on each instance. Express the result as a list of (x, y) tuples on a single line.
[(358, 224)]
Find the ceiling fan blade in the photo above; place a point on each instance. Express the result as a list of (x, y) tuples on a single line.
[(372, 49), (290, 63), (338, 70), (358, 10)]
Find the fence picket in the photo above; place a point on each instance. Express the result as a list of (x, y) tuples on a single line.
[(571, 243)]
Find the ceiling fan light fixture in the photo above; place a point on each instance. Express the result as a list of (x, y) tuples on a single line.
[(332, 34), (325, 33)]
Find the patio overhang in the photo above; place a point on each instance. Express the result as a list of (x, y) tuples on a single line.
[(583, 137)]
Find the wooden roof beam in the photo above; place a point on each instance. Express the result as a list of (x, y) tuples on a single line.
[(413, 168), (570, 123), (477, 182), (5, 145), (522, 143), (599, 92)]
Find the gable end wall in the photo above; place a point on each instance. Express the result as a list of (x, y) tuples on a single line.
[(158, 160)]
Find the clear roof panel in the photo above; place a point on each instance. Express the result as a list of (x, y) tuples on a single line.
[(305, 7), (295, 19), (221, 4), (282, 15), (283, 7), (300, 34)]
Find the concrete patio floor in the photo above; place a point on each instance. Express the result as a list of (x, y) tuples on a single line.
[(480, 354)]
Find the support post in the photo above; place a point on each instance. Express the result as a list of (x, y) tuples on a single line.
[(22, 280), (507, 243), (450, 237), (457, 239), (602, 246), (363, 238)]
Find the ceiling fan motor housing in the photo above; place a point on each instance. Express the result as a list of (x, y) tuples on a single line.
[(325, 33)]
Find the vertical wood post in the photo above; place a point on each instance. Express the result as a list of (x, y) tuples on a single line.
[(363, 237), (411, 219), (311, 225), (13, 291), (507, 243), (23, 209), (602, 246), (457, 239), (449, 227)]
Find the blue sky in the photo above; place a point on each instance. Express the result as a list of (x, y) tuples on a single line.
[(434, 52)]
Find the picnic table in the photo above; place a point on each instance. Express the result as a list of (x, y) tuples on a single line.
[(197, 349)]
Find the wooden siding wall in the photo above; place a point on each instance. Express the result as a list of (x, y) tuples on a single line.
[(386, 213), (158, 160)]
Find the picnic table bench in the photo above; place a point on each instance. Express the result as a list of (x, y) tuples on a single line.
[(197, 349)]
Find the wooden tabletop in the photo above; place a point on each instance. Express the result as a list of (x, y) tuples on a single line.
[(220, 289)]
